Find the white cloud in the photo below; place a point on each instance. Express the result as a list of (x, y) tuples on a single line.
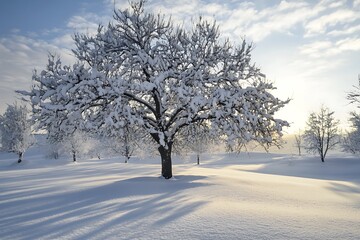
[(65, 41), (316, 49), (356, 4), (345, 31), (281, 18), (87, 23), (246, 19), (20, 55), (322, 24), (257, 24), (281, 21), (119, 4), (324, 49), (215, 8), (349, 44)]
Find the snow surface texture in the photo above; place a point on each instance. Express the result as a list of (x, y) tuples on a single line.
[(229, 196)]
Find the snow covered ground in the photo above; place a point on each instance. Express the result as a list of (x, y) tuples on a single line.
[(229, 196)]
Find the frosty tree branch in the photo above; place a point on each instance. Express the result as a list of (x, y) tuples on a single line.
[(143, 70)]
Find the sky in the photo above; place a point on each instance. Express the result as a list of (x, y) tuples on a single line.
[(309, 49)]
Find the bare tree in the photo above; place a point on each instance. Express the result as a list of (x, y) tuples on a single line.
[(298, 142), (354, 96), (144, 70), (322, 132), (351, 141)]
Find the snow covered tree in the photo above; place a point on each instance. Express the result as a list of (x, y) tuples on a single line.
[(126, 141), (15, 127), (129, 139), (197, 138), (76, 144), (53, 150), (351, 142), (322, 132), (144, 70)]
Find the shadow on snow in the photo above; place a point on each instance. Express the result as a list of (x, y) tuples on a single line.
[(52, 213)]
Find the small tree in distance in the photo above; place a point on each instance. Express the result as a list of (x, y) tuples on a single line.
[(354, 96), (76, 144), (351, 141), (197, 138), (298, 142), (126, 141), (322, 132), (15, 127)]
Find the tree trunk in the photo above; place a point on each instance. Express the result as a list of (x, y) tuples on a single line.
[(74, 156), (198, 159), (166, 165), (20, 157), (127, 154)]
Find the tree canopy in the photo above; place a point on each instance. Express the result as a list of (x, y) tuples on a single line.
[(143, 70), (322, 133)]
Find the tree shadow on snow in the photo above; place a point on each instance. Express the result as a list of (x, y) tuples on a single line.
[(125, 204), (350, 191), (332, 169)]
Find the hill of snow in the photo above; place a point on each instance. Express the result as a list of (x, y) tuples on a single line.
[(229, 196)]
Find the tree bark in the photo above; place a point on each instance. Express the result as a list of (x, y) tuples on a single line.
[(20, 157), (166, 165), (74, 156)]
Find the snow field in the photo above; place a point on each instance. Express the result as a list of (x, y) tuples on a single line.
[(229, 196)]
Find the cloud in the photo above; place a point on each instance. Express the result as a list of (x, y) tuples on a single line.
[(356, 4), (324, 49), (87, 23), (316, 49), (20, 55), (282, 20), (348, 44), (345, 31), (284, 17), (246, 19), (322, 24), (238, 19)]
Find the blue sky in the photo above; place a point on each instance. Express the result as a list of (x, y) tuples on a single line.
[(310, 49)]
